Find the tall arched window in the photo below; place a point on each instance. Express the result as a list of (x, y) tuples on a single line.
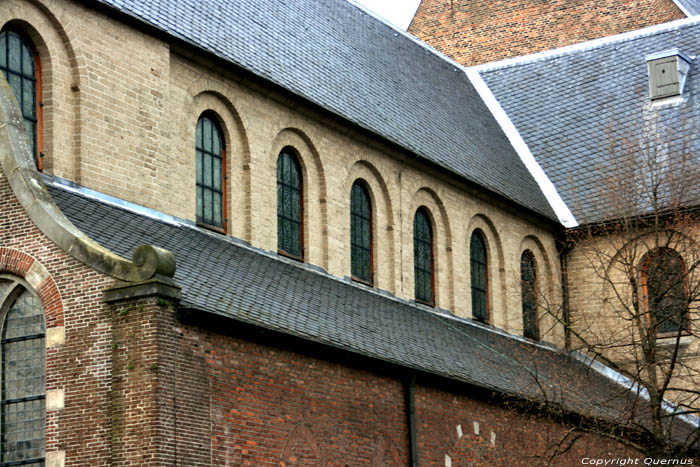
[(361, 233), (210, 154), (423, 257), (477, 262), (663, 279), (23, 408), (290, 228), (528, 288), (19, 63)]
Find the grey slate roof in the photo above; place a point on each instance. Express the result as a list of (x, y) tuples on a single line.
[(348, 62), (222, 277), (691, 6), (569, 104)]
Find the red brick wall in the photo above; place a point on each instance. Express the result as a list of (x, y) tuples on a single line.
[(479, 31), (505, 437), (72, 297)]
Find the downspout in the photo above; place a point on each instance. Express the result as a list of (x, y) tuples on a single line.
[(565, 248), (410, 384)]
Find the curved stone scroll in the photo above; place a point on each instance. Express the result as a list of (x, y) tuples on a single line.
[(18, 165)]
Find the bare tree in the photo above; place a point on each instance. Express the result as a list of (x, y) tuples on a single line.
[(633, 283)]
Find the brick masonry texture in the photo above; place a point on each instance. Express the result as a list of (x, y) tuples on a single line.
[(474, 32), (144, 387)]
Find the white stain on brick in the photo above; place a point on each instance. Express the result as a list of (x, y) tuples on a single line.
[(36, 275), (54, 399), (55, 336), (476, 428), (493, 438), (459, 431), (448, 460), (55, 458)]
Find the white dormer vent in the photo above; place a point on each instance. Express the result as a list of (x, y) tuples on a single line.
[(667, 73)]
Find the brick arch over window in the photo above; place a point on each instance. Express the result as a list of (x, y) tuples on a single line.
[(22, 265), (315, 207), (21, 67), (60, 67), (211, 96), (442, 241), (383, 222), (665, 290), (496, 272)]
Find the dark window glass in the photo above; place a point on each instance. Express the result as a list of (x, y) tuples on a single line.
[(664, 279), (18, 64), (209, 150), (23, 385), (289, 205), (528, 287), (477, 261), (360, 233), (423, 257)]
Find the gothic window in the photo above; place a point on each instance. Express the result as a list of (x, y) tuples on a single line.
[(360, 233), (290, 228), (23, 408), (663, 279), (19, 64), (423, 257), (210, 154), (528, 287), (477, 261)]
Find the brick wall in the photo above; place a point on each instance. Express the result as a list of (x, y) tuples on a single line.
[(78, 357), (473, 32)]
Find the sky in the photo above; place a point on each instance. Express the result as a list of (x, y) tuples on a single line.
[(398, 12)]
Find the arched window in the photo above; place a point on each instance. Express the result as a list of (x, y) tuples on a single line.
[(477, 262), (19, 63), (528, 288), (23, 408), (663, 279), (423, 257), (290, 228), (210, 154), (361, 233)]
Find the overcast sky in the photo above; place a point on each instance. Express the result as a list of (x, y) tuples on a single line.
[(398, 12)]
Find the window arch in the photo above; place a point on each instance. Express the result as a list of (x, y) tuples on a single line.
[(290, 205), (663, 280), (479, 276), (19, 63), (361, 254), (23, 408), (211, 156), (423, 257), (528, 288)]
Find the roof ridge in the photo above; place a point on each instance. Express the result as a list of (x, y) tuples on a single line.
[(587, 45)]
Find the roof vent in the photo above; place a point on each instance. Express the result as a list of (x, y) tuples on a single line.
[(667, 73)]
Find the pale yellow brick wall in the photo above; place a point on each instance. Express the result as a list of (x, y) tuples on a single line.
[(601, 301), (125, 126)]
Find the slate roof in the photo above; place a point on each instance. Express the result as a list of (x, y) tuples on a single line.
[(691, 6), (337, 56), (569, 104), (223, 277)]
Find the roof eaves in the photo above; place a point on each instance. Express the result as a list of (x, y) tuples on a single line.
[(550, 192), (684, 8)]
